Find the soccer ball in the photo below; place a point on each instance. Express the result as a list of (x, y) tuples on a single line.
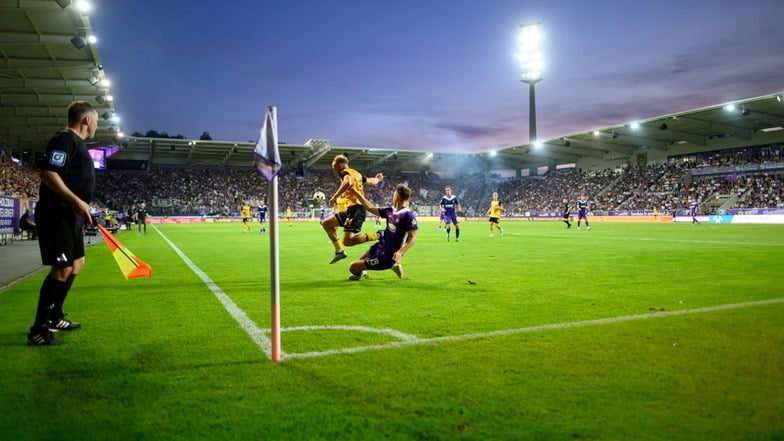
[(318, 197)]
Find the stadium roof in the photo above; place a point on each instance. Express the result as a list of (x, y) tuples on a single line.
[(46, 62)]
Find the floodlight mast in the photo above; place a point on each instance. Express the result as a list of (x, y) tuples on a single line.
[(531, 64)]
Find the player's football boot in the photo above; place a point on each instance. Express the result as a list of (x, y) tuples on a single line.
[(339, 255), (362, 275), (398, 269)]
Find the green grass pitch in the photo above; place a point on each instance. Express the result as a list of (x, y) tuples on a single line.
[(629, 331)]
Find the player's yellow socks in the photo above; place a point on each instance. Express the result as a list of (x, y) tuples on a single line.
[(336, 243), (372, 236)]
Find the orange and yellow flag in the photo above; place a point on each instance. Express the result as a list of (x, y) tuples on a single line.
[(130, 265)]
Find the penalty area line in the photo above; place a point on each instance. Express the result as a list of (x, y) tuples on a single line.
[(530, 329), (256, 334)]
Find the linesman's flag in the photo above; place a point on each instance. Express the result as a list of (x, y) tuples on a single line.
[(130, 265), (266, 150)]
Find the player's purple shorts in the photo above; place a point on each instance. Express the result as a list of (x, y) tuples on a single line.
[(376, 260), (450, 219)]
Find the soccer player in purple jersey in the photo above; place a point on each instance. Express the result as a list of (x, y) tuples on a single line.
[(450, 205), (398, 237), (582, 212), (693, 208)]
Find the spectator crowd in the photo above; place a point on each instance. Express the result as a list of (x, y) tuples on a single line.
[(669, 187)]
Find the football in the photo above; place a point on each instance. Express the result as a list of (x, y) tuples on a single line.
[(318, 197)]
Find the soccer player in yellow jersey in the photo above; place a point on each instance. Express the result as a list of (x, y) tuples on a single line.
[(496, 207), (354, 216), (342, 204), (245, 217), (289, 214)]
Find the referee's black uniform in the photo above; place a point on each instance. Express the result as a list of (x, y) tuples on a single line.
[(60, 224), (60, 228)]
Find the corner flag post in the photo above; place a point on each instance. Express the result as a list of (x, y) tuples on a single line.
[(272, 193), (268, 163)]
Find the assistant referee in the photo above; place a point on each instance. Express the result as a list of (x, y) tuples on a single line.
[(67, 187)]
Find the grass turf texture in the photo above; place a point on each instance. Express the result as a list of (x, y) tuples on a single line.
[(161, 359)]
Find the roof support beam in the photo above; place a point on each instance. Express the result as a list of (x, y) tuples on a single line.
[(572, 150), (602, 146), (719, 128)]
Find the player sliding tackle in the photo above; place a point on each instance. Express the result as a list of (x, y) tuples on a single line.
[(394, 241)]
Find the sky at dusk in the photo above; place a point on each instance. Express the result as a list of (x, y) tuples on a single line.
[(430, 75)]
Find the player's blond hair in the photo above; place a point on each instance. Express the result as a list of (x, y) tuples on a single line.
[(340, 159)]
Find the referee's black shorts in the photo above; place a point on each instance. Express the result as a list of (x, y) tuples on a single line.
[(60, 234)]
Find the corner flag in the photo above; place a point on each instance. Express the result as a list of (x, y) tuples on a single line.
[(267, 156), (268, 162), (130, 265)]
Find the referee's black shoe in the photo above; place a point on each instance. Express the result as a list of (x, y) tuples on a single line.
[(41, 337), (62, 324)]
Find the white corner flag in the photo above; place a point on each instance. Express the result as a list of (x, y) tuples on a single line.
[(268, 163)]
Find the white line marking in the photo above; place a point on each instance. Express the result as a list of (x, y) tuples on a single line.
[(506, 332), (256, 334), (391, 332)]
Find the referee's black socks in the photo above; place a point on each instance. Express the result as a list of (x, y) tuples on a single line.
[(57, 312), (51, 291)]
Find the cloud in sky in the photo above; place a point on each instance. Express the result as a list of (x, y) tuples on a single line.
[(434, 75)]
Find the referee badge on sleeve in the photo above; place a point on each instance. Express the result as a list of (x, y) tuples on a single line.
[(57, 158)]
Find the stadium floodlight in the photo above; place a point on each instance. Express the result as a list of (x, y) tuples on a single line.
[(103, 99), (92, 39), (78, 42), (82, 6), (529, 53), (92, 79), (64, 3)]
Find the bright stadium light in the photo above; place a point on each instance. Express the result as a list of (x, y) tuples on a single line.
[(82, 6), (529, 54)]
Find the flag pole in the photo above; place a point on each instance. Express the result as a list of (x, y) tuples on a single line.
[(267, 161), (272, 195)]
